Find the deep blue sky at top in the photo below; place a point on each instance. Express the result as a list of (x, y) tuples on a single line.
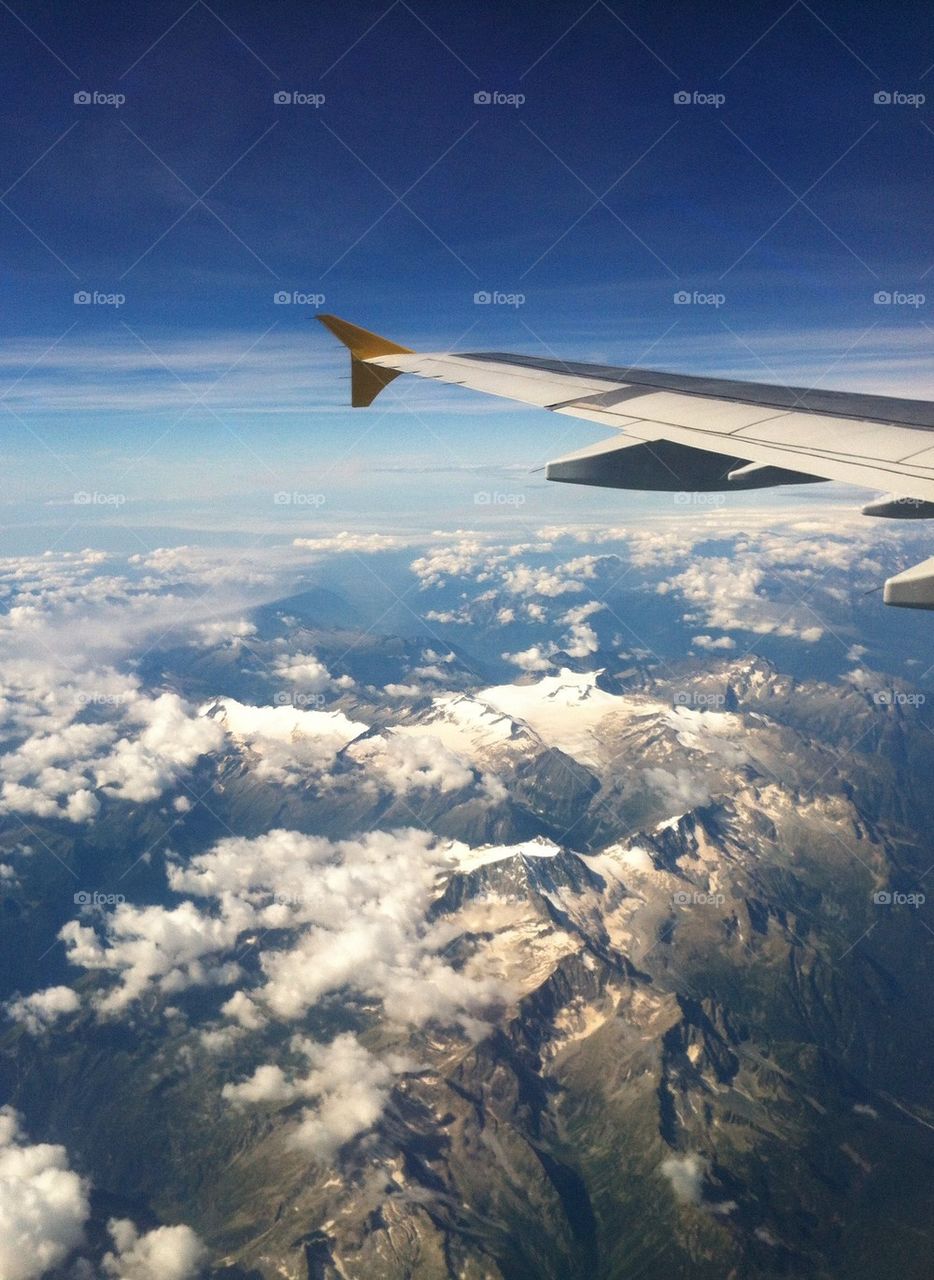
[(493, 197)]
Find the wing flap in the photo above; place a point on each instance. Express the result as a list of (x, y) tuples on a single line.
[(659, 465)]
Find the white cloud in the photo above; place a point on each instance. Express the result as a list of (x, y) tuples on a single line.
[(356, 909), (535, 658), (358, 543), (230, 631), (346, 1085), (686, 1175), (680, 789), (43, 1203), (165, 1253), (169, 948), (40, 1010), (411, 762), (708, 642), (306, 672)]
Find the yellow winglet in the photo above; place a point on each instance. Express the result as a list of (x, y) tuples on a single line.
[(366, 380), (361, 342)]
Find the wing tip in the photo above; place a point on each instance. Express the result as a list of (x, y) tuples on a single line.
[(362, 343)]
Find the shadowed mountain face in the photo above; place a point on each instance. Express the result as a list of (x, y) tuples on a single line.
[(418, 971)]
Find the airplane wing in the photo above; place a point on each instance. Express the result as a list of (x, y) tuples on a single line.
[(677, 432)]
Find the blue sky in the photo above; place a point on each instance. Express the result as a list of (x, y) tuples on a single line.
[(793, 195)]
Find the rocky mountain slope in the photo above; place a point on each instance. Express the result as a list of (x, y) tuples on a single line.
[(663, 1008)]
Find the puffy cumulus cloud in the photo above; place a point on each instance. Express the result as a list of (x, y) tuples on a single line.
[(229, 632), (536, 658), (403, 690), (241, 1009), (74, 739), (411, 762), (169, 739), (708, 642), (686, 1175), (734, 595), (166, 948), (563, 579), (40, 1010), (43, 1203), (72, 723), (468, 557), (778, 578), (678, 788), (346, 1084), (306, 672), (581, 640), (358, 911), (581, 612), (165, 1253), (357, 543), (75, 721)]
